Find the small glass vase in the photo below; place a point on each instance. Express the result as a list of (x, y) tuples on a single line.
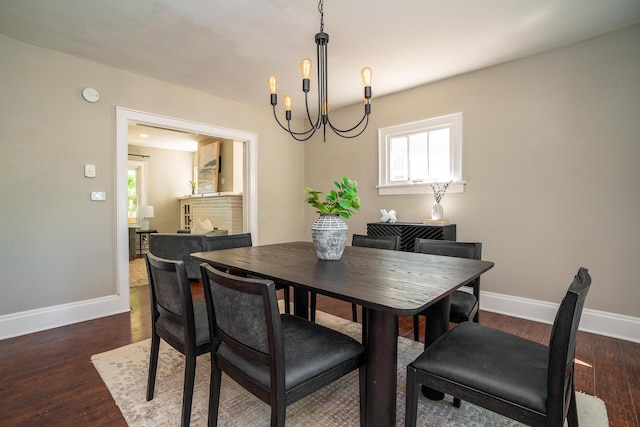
[(437, 212)]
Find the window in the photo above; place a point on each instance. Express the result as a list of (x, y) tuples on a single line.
[(414, 155), (136, 194)]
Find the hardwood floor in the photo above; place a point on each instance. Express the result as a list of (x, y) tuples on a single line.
[(47, 379)]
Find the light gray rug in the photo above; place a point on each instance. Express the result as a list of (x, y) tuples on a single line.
[(124, 371)]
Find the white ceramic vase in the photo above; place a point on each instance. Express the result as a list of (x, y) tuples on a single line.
[(329, 233)]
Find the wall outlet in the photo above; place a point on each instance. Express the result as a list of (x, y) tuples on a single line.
[(98, 195)]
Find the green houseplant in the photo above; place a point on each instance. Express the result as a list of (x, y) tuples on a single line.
[(344, 201), (329, 232)]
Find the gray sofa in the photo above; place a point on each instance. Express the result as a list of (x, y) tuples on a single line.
[(180, 246)]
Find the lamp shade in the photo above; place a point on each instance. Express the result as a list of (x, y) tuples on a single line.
[(145, 211)]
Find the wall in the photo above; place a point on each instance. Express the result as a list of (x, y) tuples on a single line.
[(551, 149), (58, 248)]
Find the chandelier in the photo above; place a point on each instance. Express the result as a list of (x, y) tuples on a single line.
[(322, 120)]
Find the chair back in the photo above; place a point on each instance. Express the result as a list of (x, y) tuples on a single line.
[(244, 315), (378, 242), (171, 301), (215, 243), (451, 248), (562, 347)]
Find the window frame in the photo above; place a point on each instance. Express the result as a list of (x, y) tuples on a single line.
[(453, 122)]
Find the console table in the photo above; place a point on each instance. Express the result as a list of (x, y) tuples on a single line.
[(409, 231)]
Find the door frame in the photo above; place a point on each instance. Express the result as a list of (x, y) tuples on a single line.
[(250, 171)]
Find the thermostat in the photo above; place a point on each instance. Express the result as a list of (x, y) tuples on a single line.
[(90, 171)]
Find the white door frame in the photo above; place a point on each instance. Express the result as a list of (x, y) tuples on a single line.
[(250, 194)]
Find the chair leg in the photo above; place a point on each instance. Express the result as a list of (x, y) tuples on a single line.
[(354, 312), (457, 402), (312, 314), (287, 308), (365, 320), (153, 365), (214, 393), (187, 396), (416, 328), (411, 406), (572, 415)]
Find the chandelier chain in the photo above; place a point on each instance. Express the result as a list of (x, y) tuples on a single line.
[(321, 9)]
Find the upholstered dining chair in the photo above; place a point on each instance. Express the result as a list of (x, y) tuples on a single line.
[(215, 243), (520, 379), (377, 242), (177, 320), (279, 358), (465, 306)]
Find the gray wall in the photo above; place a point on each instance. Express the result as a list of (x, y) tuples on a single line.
[(57, 246), (551, 154), (551, 148)]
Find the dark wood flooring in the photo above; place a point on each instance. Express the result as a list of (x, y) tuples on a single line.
[(47, 379)]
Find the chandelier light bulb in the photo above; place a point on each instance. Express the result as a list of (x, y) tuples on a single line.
[(288, 102), (366, 76), (272, 81), (305, 68)]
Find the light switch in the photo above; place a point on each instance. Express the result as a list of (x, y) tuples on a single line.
[(90, 171), (98, 195)]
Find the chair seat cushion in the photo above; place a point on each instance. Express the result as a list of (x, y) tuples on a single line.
[(201, 318), (491, 361), (463, 305), (310, 350)]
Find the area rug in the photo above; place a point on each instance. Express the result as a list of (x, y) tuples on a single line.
[(138, 273), (124, 371)]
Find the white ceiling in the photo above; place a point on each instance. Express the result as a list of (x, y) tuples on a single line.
[(230, 47)]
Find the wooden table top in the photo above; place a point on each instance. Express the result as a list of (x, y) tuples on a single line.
[(403, 283)]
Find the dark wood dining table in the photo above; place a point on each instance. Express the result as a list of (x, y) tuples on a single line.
[(387, 283)]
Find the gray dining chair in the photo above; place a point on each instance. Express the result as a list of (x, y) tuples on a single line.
[(465, 306), (521, 379), (215, 243), (176, 319), (279, 358)]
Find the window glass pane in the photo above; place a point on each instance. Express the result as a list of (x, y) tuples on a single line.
[(398, 153), (439, 154), (132, 193), (419, 156)]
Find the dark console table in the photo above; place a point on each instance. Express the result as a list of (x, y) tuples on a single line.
[(409, 231)]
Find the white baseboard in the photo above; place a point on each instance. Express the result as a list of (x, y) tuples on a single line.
[(26, 322), (594, 321)]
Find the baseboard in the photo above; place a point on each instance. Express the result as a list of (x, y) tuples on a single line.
[(26, 322), (594, 321)]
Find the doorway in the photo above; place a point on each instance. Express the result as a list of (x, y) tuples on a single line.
[(123, 117)]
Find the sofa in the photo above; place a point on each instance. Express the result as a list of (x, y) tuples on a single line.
[(179, 247)]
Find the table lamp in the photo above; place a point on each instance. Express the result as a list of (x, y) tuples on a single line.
[(144, 213)]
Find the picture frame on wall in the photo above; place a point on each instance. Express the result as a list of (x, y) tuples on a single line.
[(208, 166)]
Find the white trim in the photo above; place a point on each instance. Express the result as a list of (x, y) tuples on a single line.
[(391, 190), (123, 117), (594, 321), (26, 322)]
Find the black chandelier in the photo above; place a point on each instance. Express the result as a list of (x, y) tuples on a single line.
[(322, 40)]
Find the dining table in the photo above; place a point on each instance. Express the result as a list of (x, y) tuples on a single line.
[(386, 283)]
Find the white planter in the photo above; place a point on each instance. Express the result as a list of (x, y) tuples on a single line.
[(329, 234)]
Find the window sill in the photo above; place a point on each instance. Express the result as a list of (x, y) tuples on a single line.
[(393, 190)]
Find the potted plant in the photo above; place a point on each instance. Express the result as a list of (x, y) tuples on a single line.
[(193, 184), (329, 232)]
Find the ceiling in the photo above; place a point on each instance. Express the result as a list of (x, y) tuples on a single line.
[(230, 47), (149, 136)]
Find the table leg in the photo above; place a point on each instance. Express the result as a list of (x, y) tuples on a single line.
[(382, 361), (301, 303), (437, 325)]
